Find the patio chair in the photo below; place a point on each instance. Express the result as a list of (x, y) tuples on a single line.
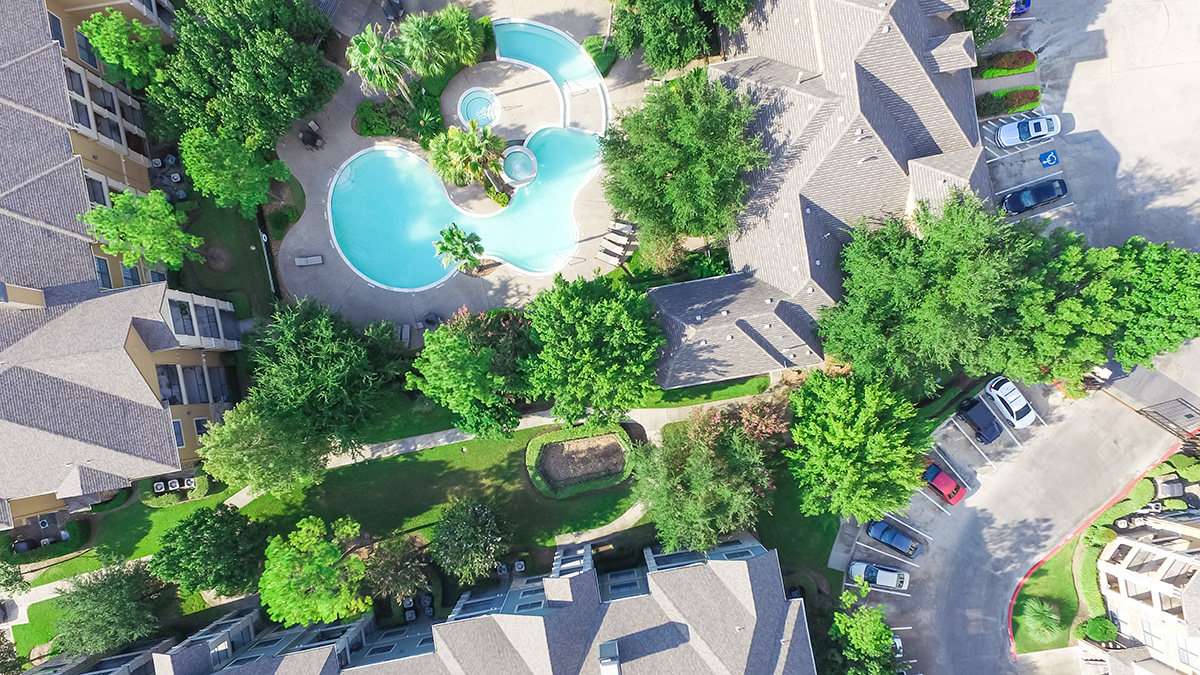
[(405, 334), (312, 124), (607, 257), (617, 240), (618, 226), (309, 261), (308, 145)]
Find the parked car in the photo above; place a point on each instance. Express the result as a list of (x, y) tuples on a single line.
[(1021, 6), (980, 418), (878, 575), (1034, 196), (897, 647), (392, 9), (890, 536), (25, 545), (943, 484), (1011, 402), (1027, 131)]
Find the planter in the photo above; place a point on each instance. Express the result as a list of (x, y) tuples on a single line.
[(1008, 101), (1005, 63)]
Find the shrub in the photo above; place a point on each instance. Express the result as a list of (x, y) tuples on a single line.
[(1008, 101), (371, 120), (279, 221), (201, 489), (1098, 536), (79, 532), (1100, 629), (1080, 631), (1187, 467), (117, 501), (534, 450), (1142, 493), (1089, 580), (1041, 619), (162, 501), (489, 34), (497, 196), (1006, 63), (604, 58), (1174, 505)]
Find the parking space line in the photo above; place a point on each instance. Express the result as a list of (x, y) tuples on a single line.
[(892, 556), (881, 590), (901, 628), (1029, 182), (1039, 417), (1002, 424), (908, 525), (950, 466), (932, 501), (972, 442), (1057, 208)]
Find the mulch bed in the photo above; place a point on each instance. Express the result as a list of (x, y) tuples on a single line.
[(569, 462)]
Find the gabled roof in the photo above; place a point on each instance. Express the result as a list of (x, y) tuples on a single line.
[(933, 178), (948, 53)]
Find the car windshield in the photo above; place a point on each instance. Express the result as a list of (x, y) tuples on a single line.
[(871, 575), (953, 492), (1007, 407), (1023, 131), (1049, 124), (1024, 411)]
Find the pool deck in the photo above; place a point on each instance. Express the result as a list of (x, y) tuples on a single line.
[(527, 98), (338, 286)]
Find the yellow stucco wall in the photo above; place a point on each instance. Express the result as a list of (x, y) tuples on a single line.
[(34, 506)]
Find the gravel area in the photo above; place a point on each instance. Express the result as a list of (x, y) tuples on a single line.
[(569, 462)]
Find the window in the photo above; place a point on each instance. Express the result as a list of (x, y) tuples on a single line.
[(218, 383), (1152, 635), (178, 426), (201, 426), (193, 384), (533, 592), (104, 99), (156, 276), (385, 649), (74, 82), (181, 317), (529, 606), (425, 641), (102, 272), (86, 54), (131, 276), (206, 321), (229, 323), (1189, 654), (108, 127), (132, 115), (56, 32), (83, 116), (168, 385), (96, 191)]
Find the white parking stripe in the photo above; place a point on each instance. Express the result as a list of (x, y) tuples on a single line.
[(908, 525), (1057, 208), (972, 441), (1039, 417), (901, 628), (950, 466), (984, 398), (881, 590), (1028, 182), (934, 502), (892, 556)]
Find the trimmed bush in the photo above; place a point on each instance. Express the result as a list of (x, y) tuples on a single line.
[(117, 501), (1174, 505), (371, 120), (393, 117), (1142, 493), (1041, 619), (534, 450), (1008, 101), (1005, 63), (162, 501), (279, 220), (1100, 629), (604, 58), (201, 489), (497, 196), (1089, 580), (489, 34)]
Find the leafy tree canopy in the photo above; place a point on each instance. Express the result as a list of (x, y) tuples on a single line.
[(859, 447), (1158, 300), (677, 165), (251, 447), (596, 346), (709, 477), (11, 580), (672, 31), (865, 639), (11, 663), (311, 576), (143, 228), (212, 549), (456, 246), (434, 44), (108, 609), (987, 20), (231, 171), (462, 156), (249, 67), (396, 568), (469, 540), (131, 51), (378, 59)]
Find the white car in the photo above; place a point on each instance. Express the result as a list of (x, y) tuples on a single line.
[(1027, 131), (877, 575), (1012, 404)]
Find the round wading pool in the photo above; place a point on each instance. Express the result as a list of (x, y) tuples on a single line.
[(480, 105)]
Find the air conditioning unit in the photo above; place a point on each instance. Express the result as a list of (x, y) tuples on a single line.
[(43, 523)]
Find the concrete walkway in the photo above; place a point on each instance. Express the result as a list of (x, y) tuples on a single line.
[(1007, 82), (18, 606), (622, 523)]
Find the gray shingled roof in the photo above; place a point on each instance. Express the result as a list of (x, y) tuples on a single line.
[(318, 661), (948, 53), (934, 177)]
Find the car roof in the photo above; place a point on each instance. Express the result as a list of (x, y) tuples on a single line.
[(979, 414), (944, 482)]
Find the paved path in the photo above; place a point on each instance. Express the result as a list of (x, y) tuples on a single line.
[(18, 606), (622, 523), (1007, 82)]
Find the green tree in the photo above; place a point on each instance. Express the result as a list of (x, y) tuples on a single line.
[(462, 156), (11, 663), (859, 447), (439, 43), (217, 549), (250, 447), (672, 31), (248, 67), (312, 575), (379, 61), (396, 568), (706, 479), (729, 13), (461, 34), (456, 246), (11, 580), (231, 171), (596, 346), (1041, 619), (690, 181), (108, 609), (131, 51), (1158, 300), (987, 20), (865, 638), (143, 228), (468, 540)]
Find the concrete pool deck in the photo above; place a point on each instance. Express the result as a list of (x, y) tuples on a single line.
[(527, 98)]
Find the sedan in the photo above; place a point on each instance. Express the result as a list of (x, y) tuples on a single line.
[(1034, 196), (943, 484), (890, 536), (878, 575), (1012, 404), (1027, 131)]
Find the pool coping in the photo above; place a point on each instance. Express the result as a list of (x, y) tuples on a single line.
[(489, 92)]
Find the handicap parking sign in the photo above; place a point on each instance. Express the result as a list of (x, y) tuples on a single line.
[(1049, 158)]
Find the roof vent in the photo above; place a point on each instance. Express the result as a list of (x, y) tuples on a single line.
[(858, 131), (699, 318), (796, 21), (610, 658), (703, 342), (817, 263), (724, 312), (728, 337), (807, 210), (810, 289), (768, 300), (884, 30), (810, 106), (766, 325)]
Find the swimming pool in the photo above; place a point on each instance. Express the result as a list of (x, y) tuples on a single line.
[(386, 209), (480, 105), (563, 59)]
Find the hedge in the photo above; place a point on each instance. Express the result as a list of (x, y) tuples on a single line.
[(80, 531), (1089, 580), (534, 450), (604, 58), (1008, 101), (1005, 63)]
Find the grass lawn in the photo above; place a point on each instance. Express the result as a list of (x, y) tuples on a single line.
[(246, 282), (299, 201), (402, 417), (1054, 583), (40, 628), (131, 532), (804, 542), (718, 391), (408, 493)]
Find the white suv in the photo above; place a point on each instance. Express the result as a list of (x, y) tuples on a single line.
[(1027, 131), (1012, 404)]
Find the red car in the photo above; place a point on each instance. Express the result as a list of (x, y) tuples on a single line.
[(943, 484)]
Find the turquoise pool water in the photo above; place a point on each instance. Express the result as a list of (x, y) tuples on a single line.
[(553, 52), (386, 209), (518, 166), (478, 105)]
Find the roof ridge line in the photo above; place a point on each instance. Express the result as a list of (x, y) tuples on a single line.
[(26, 55), (47, 226), (699, 644), (43, 174)]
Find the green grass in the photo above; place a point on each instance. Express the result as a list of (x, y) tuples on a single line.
[(79, 531), (40, 629), (402, 417), (533, 454), (132, 532), (604, 58), (704, 393), (408, 493), (246, 283), (803, 542), (299, 201), (1055, 583)]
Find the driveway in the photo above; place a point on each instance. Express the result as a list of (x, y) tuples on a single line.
[(1122, 75)]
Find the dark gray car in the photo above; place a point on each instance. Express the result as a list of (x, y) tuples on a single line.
[(976, 413)]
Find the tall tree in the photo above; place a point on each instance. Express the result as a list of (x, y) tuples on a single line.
[(865, 638), (378, 59), (729, 13), (247, 68), (859, 447), (11, 663), (396, 568), (251, 447), (108, 609), (231, 171), (468, 540), (987, 20), (596, 346), (458, 247), (462, 35), (441, 43), (217, 549), (462, 156), (312, 576), (1158, 300), (672, 31), (143, 228), (11, 580), (690, 181), (131, 51)]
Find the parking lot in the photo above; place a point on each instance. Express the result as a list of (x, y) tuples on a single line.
[(930, 518), (1019, 167)]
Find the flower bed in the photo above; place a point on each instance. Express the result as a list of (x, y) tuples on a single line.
[(1005, 63), (1008, 101), (558, 442)]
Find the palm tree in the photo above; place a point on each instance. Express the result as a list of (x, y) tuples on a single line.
[(378, 59), (462, 35), (457, 246), (461, 156), (421, 42)]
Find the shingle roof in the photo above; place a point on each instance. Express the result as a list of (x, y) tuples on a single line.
[(948, 53), (317, 661), (934, 177)]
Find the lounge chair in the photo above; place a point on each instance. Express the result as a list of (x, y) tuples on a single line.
[(618, 226), (309, 261), (312, 124), (405, 334), (619, 241), (608, 257)]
